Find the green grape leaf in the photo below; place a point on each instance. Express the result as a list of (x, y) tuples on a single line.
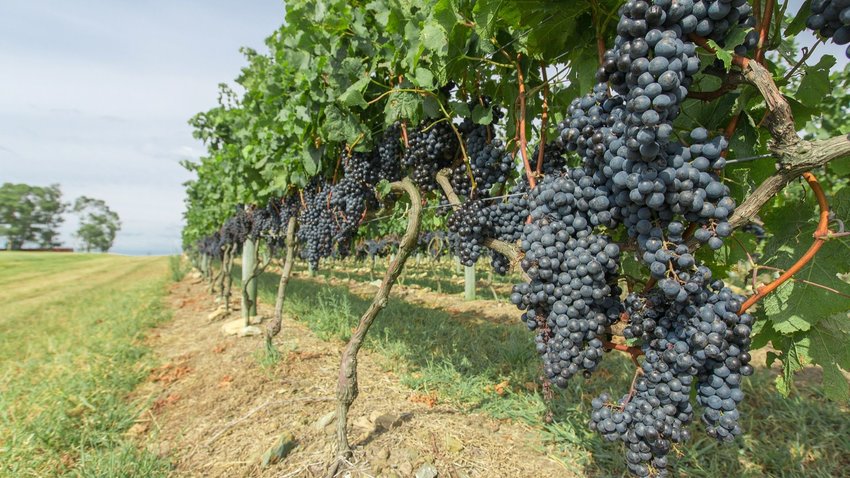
[(402, 105), (459, 108), (806, 319), (794, 356), (424, 78), (829, 350), (736, 36), (815, 84), (721, 54), (778, 302), (430, 107), (797, 301), (353, 96), (798, 24), (312, 159), (383, 188), (482, 115), (434, 37)]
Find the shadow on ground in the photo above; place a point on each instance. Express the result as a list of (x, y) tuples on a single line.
[(488, 367)]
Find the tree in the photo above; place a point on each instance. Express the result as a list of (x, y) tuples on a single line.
[(30, 214), (98, 224)]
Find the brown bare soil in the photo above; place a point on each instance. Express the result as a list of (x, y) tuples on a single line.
[(215, 410)]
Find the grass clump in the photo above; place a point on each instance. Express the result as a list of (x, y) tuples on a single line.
[(177, 267)]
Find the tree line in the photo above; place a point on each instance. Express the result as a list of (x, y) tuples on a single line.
[(33, 215)]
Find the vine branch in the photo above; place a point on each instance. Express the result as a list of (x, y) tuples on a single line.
[(821, 234), (523, 141), (347, 389), (544, 119)]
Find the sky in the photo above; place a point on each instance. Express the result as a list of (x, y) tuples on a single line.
[(95, 95)]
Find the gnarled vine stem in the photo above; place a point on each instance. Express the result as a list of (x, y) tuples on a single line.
[(347, 383)]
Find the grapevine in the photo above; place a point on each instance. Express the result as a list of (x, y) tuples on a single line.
[(474, 128)]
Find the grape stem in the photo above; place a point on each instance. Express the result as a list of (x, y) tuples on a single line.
[(404, 134), (763, 29), (600, 42), (631, 394), (544, 118), (523, 141), (634, 352), (807, 52)]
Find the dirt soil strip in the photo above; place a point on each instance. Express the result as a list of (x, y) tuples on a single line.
[(215, 411)]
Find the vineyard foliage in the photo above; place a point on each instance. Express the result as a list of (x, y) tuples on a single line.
[(505, 81)]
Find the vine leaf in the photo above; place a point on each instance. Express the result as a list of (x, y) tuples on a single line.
[(721, 54), (482, 115), (794, 356), (424, 78), (815, 83), (777, 303), (796, 305), (402, 105), (799, 23), (353, 96), (312, 159), (830, 351), (383, 188), (459, 108), (805, 323), (434, 37)]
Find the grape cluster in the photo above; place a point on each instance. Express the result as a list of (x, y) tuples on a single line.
[(572, 294), (636, 174), (289, 207), (643, 178), (432, 147), (554, 161), (831, 19), (432, 243), (692, 334), (489, 163), (468, 227), (265, 221), (317, 225), (211, 245), (507, 218), (237, 228), (334, 212), (352, 195), (389, 154), (376, 248)]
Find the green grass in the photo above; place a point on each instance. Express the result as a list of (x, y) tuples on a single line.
[(71, 329), (178, 267), (462, 359), (442, 276)]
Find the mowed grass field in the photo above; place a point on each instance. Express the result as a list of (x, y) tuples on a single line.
[(71, 329)]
